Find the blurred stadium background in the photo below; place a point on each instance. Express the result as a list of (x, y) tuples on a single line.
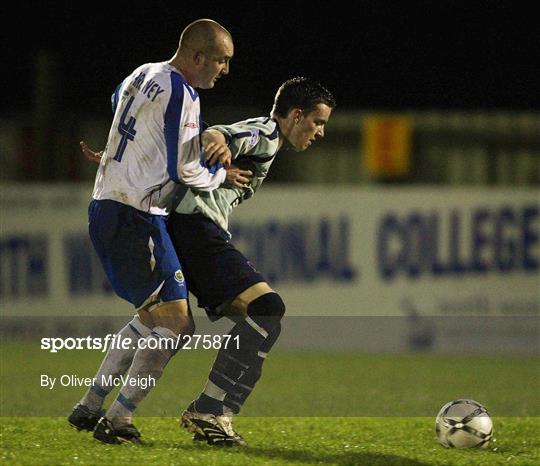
[(413, 227)]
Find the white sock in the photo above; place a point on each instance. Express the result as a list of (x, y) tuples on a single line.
[(147, 366), (115, 363)]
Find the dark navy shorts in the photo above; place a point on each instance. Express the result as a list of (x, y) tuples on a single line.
[(216, 272), (136, 252)]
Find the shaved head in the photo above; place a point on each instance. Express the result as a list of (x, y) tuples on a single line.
[(203, 35), (204, 52)]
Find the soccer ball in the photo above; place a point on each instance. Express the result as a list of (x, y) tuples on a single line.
[(463, 424)]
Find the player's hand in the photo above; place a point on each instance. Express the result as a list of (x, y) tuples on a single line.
[(218, 153), (90, 154), (237, 177)]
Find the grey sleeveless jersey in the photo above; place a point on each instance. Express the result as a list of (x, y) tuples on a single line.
[(254, 144)]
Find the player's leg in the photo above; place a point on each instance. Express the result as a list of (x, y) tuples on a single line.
[(142, 267), (235, 399), (171, 321), (217, 273), (237, 369), (88, 410), (112, 229)]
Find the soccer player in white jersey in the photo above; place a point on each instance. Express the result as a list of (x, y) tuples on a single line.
[(222, 279), (153, 148)]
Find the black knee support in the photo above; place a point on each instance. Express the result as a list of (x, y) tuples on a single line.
[(266, 311), (269, 304)]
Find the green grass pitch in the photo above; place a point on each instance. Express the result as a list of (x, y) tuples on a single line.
[(337, 408)]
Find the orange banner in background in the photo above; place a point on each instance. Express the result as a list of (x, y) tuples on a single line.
[(387, 145)]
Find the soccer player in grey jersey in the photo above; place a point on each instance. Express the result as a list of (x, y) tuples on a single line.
[(221, 278), (199, 228), (255, 142)]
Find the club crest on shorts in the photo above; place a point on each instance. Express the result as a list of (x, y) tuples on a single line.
[(179, 276)]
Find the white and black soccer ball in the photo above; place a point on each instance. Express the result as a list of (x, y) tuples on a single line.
[(464, 424)]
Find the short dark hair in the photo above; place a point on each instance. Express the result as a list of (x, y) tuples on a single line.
[(301, 93)]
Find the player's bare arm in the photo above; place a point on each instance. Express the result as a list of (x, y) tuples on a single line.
[(236, 177), (91, 155), (215, 152), (212, 135), (215, 147)]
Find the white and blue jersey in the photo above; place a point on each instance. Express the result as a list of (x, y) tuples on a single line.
[(154, 142), (153, 149)]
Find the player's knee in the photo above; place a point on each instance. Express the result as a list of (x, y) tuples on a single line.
[(267, 305), (184, 326), (175, 317), (188, 328), (177, 327)]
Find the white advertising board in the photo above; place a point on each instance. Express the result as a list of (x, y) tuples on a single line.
[(328, 251)]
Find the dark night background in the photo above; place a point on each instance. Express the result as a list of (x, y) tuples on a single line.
[(372, 54)]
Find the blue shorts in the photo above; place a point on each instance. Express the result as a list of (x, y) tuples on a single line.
[(215, 270), (136, 252)]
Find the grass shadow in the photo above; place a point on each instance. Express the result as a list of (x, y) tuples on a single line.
[(286, 456)]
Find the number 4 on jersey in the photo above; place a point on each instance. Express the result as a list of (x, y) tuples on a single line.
[(126, 129)]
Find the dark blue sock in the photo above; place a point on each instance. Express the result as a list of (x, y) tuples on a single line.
[(207, 404)]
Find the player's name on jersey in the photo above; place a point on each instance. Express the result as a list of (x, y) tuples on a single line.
[(151, 88), (73, 380)]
